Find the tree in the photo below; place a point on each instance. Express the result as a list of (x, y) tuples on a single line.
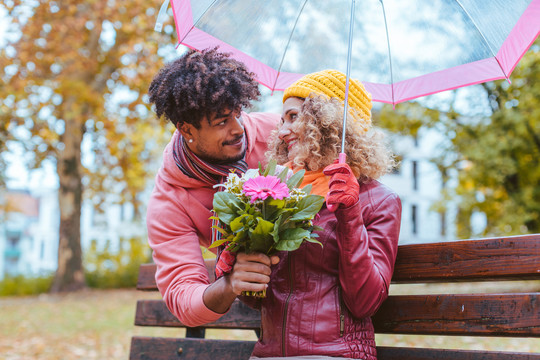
[(497, 155), (77, 71)]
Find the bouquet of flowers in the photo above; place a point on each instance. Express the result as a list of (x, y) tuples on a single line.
[(259, 212)]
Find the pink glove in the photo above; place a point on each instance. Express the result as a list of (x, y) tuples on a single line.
[(343, 185), (224, 263)]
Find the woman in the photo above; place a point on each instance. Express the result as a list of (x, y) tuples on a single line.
[(320, 299)]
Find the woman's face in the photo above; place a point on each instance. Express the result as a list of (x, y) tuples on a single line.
[(291, 110)]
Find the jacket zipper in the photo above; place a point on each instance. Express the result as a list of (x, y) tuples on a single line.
[(283, 330), (341, 315)]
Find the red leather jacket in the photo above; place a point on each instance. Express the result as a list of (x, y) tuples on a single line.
[(320, 299)]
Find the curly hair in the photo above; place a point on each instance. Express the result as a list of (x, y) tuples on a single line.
[(319, 129), (200, 84)]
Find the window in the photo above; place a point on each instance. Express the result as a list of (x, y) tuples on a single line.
[(13, 237), (414, 219), (415, 174), (443, 223)]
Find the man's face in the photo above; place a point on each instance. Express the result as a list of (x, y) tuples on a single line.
[(221, 138)]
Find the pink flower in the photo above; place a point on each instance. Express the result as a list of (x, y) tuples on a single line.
[(262, 187)]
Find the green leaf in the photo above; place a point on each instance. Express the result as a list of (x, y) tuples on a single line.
[(291, 239), (307, 189), (239, 223), (270, 168), (283, 175), (217, 243), (239, 237), (312, 240), (233, 247), (227, 206), (261, 237), (275, 202), (277, 228), (221, 230), (273, 208), (309, 206), (296, 179)]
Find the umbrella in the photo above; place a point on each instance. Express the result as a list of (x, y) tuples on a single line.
[(401, 49)]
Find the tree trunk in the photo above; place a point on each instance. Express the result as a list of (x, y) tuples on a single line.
[(70, 274)]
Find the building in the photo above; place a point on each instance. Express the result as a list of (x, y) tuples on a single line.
[(25, 234), (420, 186), (29, 234)]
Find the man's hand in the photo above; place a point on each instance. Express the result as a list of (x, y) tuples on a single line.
[(251, 272)]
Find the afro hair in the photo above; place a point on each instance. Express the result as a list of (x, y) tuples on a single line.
[(200, 84)]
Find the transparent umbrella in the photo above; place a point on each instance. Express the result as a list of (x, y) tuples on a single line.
[(399, 49)]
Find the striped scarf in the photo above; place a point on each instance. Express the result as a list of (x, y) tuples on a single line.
[(193, 166)]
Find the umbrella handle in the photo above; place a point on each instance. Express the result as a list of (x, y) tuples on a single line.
[(341, 160)]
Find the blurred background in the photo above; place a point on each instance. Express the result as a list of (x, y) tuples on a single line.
[(80, 146)]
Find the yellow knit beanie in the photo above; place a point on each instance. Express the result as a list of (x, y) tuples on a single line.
[(332, 83)]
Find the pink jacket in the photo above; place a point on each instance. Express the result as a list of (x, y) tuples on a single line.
[(178, 224)]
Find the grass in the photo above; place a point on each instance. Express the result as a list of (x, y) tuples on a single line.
[(98, 324)]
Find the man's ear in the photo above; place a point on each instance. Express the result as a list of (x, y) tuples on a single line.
[(187, 130)]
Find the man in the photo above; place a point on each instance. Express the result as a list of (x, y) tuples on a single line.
[(203, 95)]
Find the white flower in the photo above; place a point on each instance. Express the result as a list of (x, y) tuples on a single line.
[(280, 168), (296, 194), (232, 184), (250, 174)]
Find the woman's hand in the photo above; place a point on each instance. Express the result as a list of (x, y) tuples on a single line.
[(224, 263), (343, 186)]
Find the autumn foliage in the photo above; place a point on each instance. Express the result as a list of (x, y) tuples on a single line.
[(75, 76)]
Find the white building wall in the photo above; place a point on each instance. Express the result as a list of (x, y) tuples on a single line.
[(37, 248), (108, 228), (419, 185), (18, 242), (47, 234)]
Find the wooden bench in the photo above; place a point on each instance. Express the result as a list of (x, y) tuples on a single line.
[(512, 314)]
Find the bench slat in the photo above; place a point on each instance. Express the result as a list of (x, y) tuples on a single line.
[(504, 258), (146, 280), (155, 348), (482, 314), (512, 315), (144, 348), (155, 313), (400, 353)]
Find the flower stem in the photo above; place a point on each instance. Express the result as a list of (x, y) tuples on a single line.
[(258, 294)]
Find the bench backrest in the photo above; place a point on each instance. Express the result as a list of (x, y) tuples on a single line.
[(491, 314)]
